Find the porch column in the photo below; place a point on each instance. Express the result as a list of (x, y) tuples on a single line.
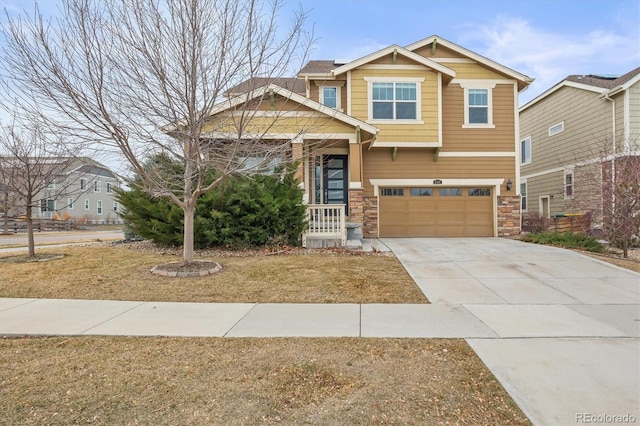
[(297, 155), (356, 192)]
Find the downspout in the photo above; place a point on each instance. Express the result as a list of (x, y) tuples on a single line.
[(613, 157)]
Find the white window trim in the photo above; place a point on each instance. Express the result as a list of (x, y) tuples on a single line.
[(525, 196), (479, 84), (97, 186), (417, 80), (108, 188), (70, 203), (99, 208), (115, 206), (87, 204), (566, 173), (561, 128), (338, 95), (524, 163)]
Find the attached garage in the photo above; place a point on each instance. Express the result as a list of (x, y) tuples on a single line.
[(436, 211)]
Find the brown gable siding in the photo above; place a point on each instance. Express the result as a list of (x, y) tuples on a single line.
[(634, 111), (457, 138), (420, 164)]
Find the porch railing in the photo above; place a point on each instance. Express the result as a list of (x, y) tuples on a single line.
[(326, 221)]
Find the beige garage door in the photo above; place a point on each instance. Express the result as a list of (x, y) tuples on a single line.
[(436, 212)]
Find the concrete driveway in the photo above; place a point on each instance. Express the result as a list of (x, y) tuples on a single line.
[(568, 350)]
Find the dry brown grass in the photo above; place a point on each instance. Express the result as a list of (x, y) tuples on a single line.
[(120, 380), (120, 273), (633, 264)]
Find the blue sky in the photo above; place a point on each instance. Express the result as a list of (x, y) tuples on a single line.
[(544, 39)]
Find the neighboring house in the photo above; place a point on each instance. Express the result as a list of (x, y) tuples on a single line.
[(563, 132), (414, 141), (85, 192)]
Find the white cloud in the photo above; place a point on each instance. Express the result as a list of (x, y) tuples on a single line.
[(550, 56)]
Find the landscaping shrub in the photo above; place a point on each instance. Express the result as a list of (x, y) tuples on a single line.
[(242, 212), (566, 240)]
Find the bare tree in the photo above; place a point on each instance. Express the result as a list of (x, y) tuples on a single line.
[(145, 76), (608, 185), (33, 165)]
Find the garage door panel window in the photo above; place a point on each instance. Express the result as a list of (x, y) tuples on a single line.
[(392, 192), (450, 192), (421, 192), (479, 192)]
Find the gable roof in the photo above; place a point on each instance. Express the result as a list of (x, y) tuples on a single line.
[(316, 67), (401, 51), (605, 85), (523, 79), (302, 100), (296, 85)]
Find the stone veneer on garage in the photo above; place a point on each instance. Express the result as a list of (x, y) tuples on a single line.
[(508, 216)]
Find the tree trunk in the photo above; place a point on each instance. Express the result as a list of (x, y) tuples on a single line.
[(189, 213), (31, 242), (625, 247)]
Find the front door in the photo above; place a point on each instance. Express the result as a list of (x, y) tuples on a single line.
[(335, 179)]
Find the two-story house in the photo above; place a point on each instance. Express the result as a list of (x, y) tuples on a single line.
[(567, 133), (414, 141)]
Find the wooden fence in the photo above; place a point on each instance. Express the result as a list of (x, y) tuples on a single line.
[(20, 225), (578, 223)]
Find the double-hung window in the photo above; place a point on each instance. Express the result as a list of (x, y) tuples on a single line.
[(329, 96), (525, 150), (396, 100), (478, 109), (568, 184), (523, 195)]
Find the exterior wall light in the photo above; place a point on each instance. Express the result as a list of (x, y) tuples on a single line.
[(509, 183)]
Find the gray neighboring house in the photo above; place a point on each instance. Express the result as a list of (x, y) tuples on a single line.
[(88, 197), (561, 129)]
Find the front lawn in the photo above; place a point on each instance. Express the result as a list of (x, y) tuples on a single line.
[(223, 381), (115, 272)]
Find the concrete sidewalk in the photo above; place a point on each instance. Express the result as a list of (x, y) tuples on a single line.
[(106, 317)]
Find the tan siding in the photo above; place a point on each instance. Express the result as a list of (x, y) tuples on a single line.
[(457, 138), (472, 71), (400, 132), (550, 184), (585, 119), (282, 125), (441, 52), (400, 60), (419, 164), (634, 110)]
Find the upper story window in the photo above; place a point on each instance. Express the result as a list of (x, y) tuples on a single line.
[(109, 188), (556, 128), (525, 150), (478, 104), (83, 184), (329, 96), (394, 100), (97, 185), (568, 184)]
